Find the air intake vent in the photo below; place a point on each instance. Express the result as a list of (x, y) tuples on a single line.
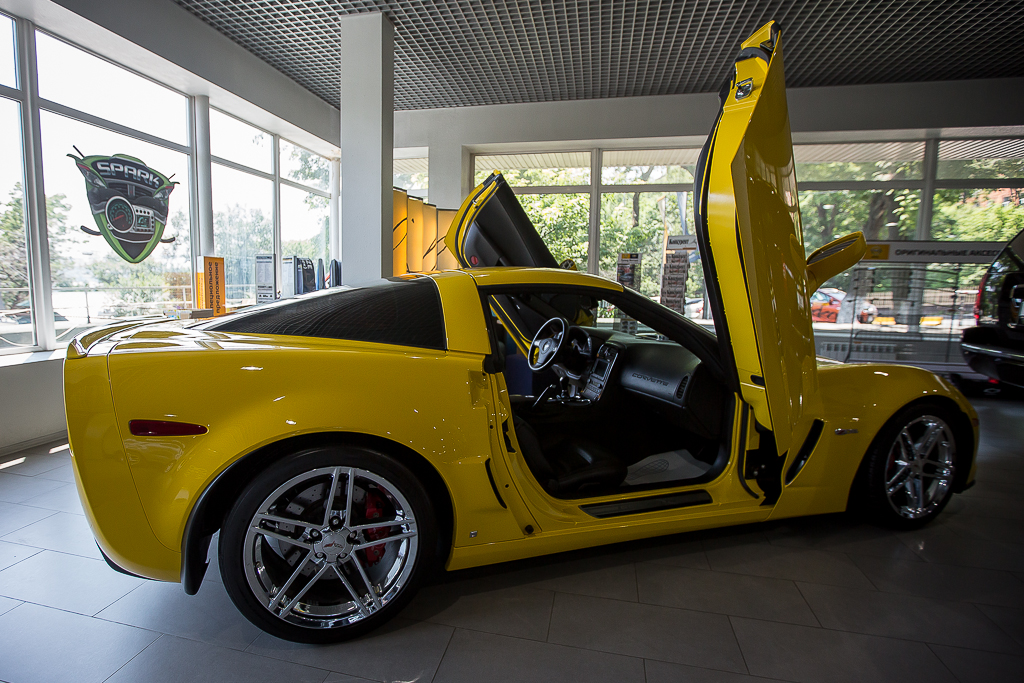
[(682, 387)]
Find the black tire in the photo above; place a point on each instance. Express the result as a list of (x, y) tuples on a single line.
[(252, 562), (896, 480)]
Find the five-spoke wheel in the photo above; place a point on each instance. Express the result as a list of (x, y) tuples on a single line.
[(325, 541), (911, 466)]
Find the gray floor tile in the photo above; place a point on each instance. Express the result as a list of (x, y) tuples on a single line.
[(601, 576), (7, 604), (994, 507), (516, 611), (947, 545), (173, 659), (664, 672), (723, 593), (474, 657), (903, 616), (796, 564), (837, 533), (972, 666), (1010, 620), (815, 655), (686, 552), (14, 516), (31, 465), (399, 650), (208, 616), (989, 528), (62, 532), (336, 677), (663, 633), (64, 473), (62, 499), (42, 645), (1006, 487), (943, 581), (15, 488), (67, 582), (12, 553)]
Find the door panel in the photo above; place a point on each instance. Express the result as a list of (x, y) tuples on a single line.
[(753, 226)]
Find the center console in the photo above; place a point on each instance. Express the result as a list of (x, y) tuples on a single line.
[(600, 373)]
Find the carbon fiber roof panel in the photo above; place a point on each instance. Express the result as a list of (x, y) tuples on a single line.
[(403, 312)]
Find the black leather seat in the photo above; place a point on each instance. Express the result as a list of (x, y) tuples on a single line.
[(569, 468)]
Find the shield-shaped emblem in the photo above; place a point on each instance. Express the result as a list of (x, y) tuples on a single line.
[(129, 202)]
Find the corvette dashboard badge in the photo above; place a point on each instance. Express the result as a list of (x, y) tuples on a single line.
[(128, 201)]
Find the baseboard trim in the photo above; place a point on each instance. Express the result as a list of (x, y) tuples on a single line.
[(32, 443)]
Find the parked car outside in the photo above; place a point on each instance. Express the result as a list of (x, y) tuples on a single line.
[(827, 301), (995, 347)]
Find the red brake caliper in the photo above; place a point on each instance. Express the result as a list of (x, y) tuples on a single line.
[(374, 509)]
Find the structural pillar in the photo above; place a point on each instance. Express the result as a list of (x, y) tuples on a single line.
[(204, 177), (448, 171), (335, 224), (367, 141)]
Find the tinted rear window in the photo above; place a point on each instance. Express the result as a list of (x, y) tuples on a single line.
[(404, 312)]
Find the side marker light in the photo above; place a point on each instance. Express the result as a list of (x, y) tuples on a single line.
[(164, 428)]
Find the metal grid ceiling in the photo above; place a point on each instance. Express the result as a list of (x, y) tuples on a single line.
[(455, 53)]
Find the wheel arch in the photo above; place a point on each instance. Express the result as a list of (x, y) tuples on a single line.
[(963, 432), (215, 501)]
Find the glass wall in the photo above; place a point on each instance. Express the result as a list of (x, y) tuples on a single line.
[(115, 164), (243, 226), (883, 189), (16, 328), (93, 281), (536, 170), (8, 68), (412, 176)]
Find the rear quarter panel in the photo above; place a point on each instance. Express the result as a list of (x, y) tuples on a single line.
[(861, 398), (253, 391)]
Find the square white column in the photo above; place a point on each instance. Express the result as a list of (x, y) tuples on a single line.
[(367, 141)]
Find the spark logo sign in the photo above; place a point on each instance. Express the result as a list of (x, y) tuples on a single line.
[(129, 202)]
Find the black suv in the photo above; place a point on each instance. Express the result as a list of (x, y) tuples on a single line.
[(996, 346)]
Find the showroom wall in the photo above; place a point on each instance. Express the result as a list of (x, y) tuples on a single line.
[(270, 117), (273, 178)]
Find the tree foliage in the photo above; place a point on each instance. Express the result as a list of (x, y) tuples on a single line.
[(13, 253)]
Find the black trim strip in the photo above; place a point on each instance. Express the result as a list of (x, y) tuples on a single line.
[(494, 485), (805, 451), (740, 466), (669, 501)]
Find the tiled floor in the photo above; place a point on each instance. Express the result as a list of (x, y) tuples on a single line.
[(821, 599)]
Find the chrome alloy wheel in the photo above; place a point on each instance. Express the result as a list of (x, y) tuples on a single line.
[(330, 547), (920, 467)]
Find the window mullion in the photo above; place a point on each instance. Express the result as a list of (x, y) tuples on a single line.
[(594, 237), (275, 163), (38, 246)]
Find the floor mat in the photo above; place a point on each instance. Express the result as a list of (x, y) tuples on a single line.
[(670, 466)]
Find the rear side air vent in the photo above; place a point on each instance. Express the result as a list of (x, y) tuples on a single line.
[(682, 387)]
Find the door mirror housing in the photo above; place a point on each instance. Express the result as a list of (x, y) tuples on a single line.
[(834, 258)]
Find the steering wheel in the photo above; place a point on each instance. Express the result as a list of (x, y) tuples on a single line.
[(547, 344)]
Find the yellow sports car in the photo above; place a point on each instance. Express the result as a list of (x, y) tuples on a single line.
[(347, 442)]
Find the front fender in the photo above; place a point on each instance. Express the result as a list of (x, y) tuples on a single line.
[(858, 400)]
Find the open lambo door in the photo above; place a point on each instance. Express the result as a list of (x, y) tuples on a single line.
[(759, 280), (492, 229)]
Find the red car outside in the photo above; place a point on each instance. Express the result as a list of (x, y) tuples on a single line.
[(825, 304)]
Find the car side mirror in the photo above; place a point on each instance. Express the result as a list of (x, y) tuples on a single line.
[(834, 258)]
